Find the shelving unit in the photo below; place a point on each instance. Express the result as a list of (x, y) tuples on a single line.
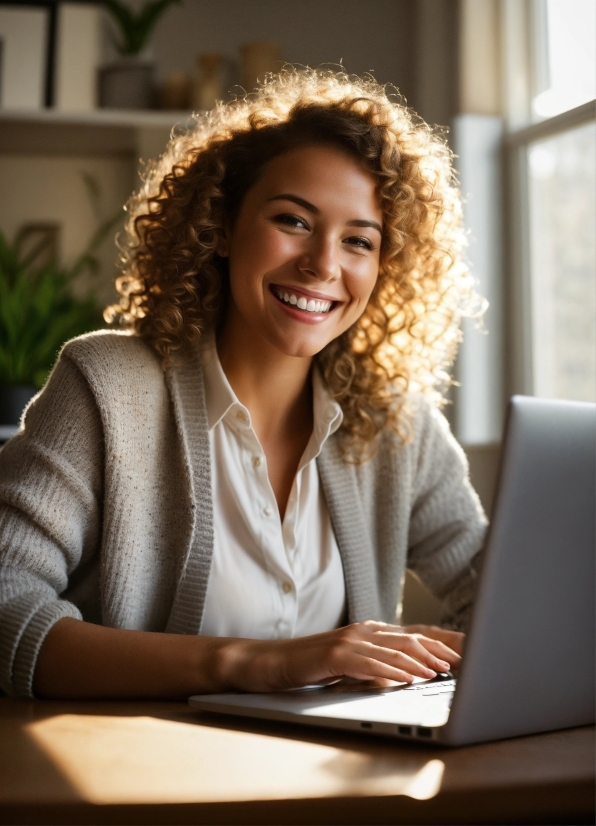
[(103, 131)]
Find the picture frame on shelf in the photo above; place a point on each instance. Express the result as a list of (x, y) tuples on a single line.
[(27, 54)]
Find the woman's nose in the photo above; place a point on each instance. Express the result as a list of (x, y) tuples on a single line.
[(321, 260)]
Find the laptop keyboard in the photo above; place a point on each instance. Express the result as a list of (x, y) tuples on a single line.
[(432, 689)]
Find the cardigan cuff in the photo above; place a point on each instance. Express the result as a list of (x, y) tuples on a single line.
[(31, 642)]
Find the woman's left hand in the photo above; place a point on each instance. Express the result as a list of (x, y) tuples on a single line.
[(452, 639)]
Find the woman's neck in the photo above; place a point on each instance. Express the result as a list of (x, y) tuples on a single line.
[(278, 392), (276, 388)]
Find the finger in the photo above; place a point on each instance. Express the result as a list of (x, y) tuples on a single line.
[(413, 646), (440, 650), (397, 659), (453, 639), (375, 625), (362, 667)]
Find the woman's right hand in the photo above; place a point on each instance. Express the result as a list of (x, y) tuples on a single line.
[(363, 651), (80, 660)]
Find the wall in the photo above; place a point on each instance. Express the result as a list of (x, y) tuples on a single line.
[(372, 36), (51, 189)]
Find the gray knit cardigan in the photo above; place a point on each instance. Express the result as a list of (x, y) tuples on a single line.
[(106, 509)]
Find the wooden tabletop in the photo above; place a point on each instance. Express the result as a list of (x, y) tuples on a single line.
[(102, 762)]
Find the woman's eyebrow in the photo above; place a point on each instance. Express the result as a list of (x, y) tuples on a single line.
[(287, 196), (364, 223)]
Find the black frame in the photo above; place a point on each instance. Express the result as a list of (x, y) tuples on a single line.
[(51, 6)]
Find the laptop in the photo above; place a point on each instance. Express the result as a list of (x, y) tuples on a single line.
[(529, 658)]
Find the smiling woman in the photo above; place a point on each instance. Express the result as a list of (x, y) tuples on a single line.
[(407, 334), (226, 494)]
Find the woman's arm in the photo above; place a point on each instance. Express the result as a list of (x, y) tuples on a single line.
[(448, 525), (50, 518), (79, 660)]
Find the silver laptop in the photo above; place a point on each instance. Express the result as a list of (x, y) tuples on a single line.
[(530, 653)]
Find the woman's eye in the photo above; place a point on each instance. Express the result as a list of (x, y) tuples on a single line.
[(289, 220), (360, 241)]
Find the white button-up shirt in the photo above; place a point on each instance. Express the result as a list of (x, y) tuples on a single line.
[(269, 579)]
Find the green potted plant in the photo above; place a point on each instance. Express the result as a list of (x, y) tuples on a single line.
[(129, 82), (38, 313)]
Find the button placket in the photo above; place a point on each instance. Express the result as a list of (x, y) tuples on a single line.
[(287, 620)]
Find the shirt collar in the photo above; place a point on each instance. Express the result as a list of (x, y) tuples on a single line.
[(220, 399), (327, 418), (219, 396)]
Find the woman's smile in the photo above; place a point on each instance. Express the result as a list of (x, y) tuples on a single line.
[(304, 305), (303, 252)]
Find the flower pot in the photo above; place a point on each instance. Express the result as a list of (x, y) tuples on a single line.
[(13, 399), (127, 84)]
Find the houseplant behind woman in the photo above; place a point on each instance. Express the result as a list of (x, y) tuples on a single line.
[(226, 493)]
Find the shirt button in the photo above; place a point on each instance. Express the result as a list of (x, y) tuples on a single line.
[(286, 587), (267, 511), (257, 461)]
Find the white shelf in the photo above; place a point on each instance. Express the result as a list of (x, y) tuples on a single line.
[(98, 132), (133, 119)]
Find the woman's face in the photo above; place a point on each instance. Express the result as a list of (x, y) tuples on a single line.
[(304, 251)]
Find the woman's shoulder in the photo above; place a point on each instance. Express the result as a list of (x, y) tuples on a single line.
[(420, 420), (112, 352), (110, 344), (119, 368)]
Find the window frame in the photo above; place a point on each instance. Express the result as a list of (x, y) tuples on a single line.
[(519, 44)]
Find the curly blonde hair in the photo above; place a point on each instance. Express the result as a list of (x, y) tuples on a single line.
[(174, 286)]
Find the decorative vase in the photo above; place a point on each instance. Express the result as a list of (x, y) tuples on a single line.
[(258, 58), (208, 87), (13, 400), (127, 84), (176, 92)]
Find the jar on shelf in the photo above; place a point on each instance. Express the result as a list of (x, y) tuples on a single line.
[(176, 91), (257, 59), (208, 86)]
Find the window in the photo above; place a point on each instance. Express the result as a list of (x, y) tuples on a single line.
[(562, 201), (564, 71), (553, 212)]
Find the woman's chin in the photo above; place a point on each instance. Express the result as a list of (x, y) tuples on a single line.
[(303, 347)]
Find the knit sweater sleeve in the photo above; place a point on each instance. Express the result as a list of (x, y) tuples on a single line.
[(448, 524), (50, 517)]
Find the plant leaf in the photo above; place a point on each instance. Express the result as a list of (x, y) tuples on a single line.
[(148, 17), (125, 20)]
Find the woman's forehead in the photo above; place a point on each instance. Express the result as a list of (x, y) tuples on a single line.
[(321, 175)]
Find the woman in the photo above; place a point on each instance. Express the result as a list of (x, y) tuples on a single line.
[(226, 494)]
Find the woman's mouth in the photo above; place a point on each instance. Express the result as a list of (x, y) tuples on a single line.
[(309, 305)]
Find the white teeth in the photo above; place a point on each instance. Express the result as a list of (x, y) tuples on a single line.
[(311, 306)]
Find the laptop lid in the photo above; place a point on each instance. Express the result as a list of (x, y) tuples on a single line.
[(530, 654)]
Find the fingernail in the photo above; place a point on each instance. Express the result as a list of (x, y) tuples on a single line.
[(431, 673), (443, 664)]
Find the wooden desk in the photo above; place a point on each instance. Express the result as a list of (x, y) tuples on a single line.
[(162, 763)]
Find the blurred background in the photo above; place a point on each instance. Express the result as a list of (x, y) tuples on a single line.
[(89, 91)]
